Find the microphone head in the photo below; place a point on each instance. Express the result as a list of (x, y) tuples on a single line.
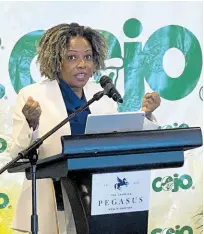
[(105, 80), (109, 89)]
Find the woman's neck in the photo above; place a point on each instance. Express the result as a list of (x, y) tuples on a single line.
[(78, 92)]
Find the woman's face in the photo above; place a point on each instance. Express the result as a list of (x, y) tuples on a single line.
[(77, 65)]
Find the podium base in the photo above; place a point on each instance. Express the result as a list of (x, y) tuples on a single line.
[(85, 223), (123, 223)]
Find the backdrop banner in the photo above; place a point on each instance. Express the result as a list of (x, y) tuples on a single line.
[(153, 46)]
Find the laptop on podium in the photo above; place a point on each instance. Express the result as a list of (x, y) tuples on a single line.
[(117, 122)]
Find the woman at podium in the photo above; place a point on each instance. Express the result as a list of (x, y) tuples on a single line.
[(68, 55)]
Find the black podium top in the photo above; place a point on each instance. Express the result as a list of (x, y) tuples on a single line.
[(110, 151)]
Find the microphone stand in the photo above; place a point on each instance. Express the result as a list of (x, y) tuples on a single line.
[(31, 153)]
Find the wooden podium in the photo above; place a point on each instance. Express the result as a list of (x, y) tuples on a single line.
[(86, 155)]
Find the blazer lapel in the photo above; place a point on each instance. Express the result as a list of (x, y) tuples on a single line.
[(57, 107), (55, 104)]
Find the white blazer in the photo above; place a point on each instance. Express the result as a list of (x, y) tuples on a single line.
[(49, 96)]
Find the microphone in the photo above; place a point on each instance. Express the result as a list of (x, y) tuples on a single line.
[(110, 89)]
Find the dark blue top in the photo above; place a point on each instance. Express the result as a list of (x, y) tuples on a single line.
[(73, 102)]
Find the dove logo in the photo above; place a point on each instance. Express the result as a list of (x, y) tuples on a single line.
[(172, 184), (177, 230), (138, 62), (4, 200)]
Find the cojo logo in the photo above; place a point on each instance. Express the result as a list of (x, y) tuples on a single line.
[(121, 183), (4, 200), (2, 88), (3, 145), (201, 93), (173, 184), (176, 230), (139, 62), (174, 125)]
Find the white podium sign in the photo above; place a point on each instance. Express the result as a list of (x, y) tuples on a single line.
[(120, 192)]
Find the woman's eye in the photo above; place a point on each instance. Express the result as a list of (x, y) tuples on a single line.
[(71, 57), (88, 56)]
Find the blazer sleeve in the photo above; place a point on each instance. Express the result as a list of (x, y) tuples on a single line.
[(22, 135)]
